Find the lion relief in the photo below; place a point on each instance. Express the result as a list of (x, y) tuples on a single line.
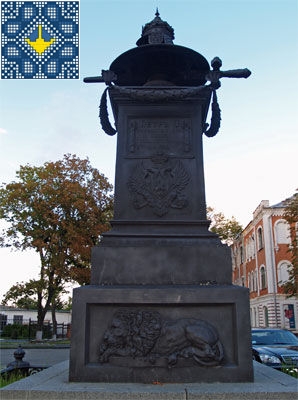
[(143, 335)]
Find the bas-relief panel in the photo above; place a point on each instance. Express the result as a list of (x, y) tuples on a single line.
[(192, 339)]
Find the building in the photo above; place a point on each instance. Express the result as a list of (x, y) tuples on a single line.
[(261, 258), (13, 315)]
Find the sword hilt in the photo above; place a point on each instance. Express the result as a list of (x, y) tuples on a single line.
[(107, 77), (215, 75)]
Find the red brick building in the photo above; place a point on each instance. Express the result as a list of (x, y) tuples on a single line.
[(261, 258)]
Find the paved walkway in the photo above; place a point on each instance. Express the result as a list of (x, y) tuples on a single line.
[(44, 357)]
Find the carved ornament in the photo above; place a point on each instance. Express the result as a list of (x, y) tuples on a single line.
[(158, 94), (159, 184)]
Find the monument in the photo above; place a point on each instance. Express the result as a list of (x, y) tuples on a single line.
[(161, 306)]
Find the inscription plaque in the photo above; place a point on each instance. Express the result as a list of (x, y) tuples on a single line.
[(151, 136)]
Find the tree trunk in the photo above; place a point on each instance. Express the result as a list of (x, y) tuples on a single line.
[(54, 320), (38, 336), (40, 318)]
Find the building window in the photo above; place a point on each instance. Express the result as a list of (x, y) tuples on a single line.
[(283, 272), (252, 243), (260, 238), (282, 232), (18, 319), (255, 317), (243, 281), (266, 316), (263, 277), (3, 321), (246, 251), (256, 281), (250, 248), (241, 255), (253, 281)]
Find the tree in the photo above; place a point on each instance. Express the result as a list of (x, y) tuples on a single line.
[(22, 295), (59, 209), (290, 288), (227, 229)]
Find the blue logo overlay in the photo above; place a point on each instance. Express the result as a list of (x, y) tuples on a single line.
[(40, 39)]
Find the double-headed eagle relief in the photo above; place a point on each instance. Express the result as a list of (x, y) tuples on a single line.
[(159, 184)]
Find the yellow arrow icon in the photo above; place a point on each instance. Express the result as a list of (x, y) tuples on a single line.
[(40, 45)]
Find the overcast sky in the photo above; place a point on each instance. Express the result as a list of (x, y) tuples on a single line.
[(253, 157)]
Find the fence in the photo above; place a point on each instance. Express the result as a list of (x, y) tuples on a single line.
[(26, 329)]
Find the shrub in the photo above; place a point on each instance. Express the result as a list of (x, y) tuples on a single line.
[(18, 331), (15, 331)]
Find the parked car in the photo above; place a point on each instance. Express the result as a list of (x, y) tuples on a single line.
[(277, 348)]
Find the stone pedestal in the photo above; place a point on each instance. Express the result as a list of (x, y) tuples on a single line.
[(183, 312), (161, 306)]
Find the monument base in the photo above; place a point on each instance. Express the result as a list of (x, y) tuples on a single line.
[(168, 334), (53, 383)]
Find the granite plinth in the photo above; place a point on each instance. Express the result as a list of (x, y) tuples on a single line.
[(53, 384)]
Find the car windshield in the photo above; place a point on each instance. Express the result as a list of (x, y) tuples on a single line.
[(268, 337)]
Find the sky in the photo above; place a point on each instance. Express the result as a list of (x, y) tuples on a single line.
[(252, 158)]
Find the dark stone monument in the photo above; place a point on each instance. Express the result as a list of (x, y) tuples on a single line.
[(161, 305)]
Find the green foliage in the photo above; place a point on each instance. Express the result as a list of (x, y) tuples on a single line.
[(292, 371), (15, 331), (22, 295), (21, 331), (33, 344), (290, 288), (7, 379), (227, 229), (65, 305), (60, 210)]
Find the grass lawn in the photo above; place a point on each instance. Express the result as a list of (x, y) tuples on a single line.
[(4, 381), (14, 344)]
